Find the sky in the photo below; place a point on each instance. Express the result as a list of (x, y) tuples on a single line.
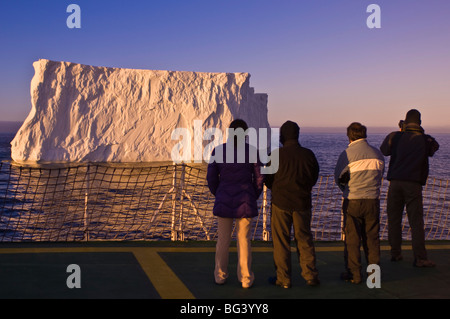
[(317, 60)]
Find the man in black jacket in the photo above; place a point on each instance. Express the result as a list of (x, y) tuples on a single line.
[(291, 187), (408, 172)]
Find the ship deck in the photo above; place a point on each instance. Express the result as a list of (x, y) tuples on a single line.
[(184, 270)]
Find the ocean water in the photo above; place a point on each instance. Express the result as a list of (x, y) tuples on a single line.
[(5, 146), (124, 201), (327, 148)]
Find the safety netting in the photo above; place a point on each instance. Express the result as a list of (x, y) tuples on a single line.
[(159, 201)]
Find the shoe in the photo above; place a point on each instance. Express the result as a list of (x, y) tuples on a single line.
[(313, 282), (356, 281), (247, 285), (346, 276), (397, 258), (423, 263), (220, 282), (274, 281)]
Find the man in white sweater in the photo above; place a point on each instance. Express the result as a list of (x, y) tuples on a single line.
[(358, 173)]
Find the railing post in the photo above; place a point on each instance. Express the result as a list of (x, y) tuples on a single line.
[(174, 203), (342, 221), (86, 199), (180, 233), (266, 233)]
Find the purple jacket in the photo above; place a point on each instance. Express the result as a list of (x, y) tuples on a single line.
[(236, 186)]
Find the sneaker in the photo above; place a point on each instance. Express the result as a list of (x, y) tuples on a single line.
[(424, 263), (274, 281)]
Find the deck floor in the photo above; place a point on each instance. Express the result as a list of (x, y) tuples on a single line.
[(171, 270)]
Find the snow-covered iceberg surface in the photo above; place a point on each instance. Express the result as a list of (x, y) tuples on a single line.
[(83, 113)]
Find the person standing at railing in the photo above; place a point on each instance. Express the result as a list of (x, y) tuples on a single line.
[(407, 174), (291, 185), (236, 185), (358, 173)]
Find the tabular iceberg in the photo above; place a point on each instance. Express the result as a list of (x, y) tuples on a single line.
[(82, 113)]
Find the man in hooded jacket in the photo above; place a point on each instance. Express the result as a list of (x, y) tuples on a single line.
[(291, 187)]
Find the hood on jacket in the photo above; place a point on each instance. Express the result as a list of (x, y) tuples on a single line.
[(413, 127), (289, 131)]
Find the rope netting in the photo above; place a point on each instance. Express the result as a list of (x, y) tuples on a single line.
[(158, 202)]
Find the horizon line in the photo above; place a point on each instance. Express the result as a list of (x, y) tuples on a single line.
[(14, 126)]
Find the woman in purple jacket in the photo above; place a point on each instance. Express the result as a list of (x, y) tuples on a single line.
[(236, 182)]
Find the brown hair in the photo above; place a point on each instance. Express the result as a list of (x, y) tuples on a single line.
[(356, 131)]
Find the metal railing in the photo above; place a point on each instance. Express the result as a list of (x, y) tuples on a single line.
[(90, 202)]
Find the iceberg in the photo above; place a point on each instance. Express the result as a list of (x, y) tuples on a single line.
[(83, 113)]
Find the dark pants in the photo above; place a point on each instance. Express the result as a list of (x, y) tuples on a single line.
[(344, 223), (362, 227), (409, 194), (281, 223)]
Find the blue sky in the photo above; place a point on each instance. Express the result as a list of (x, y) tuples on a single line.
[(316, 59)]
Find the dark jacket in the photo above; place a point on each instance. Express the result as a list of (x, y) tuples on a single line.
[(297, 173), (409, 151), (236, 186)]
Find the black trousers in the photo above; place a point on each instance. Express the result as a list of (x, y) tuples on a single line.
[(362, 227), (281, 224), (409, 194)]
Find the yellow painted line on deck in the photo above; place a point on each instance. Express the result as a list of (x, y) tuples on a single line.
[(165, 281)]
